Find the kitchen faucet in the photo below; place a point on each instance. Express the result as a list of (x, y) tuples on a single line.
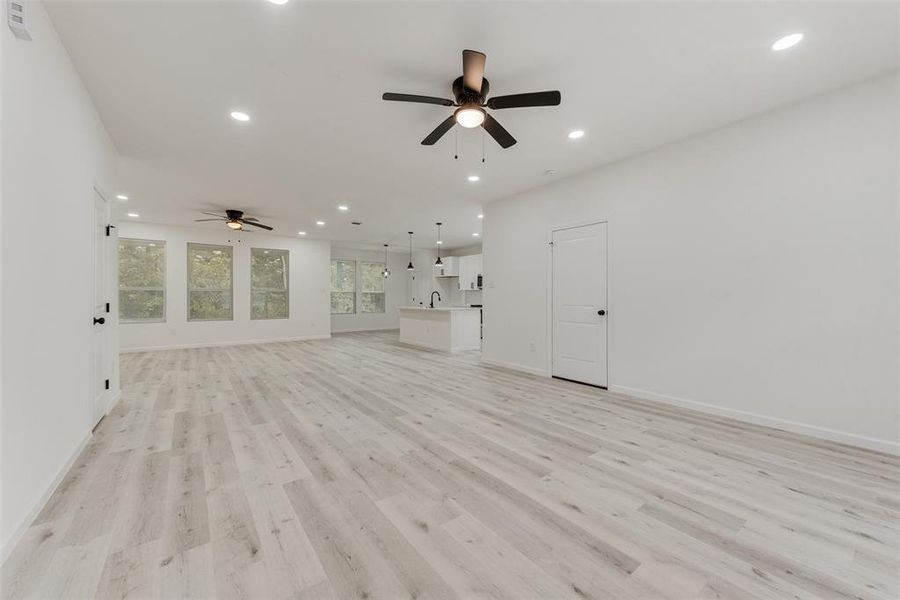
[(432, 297)]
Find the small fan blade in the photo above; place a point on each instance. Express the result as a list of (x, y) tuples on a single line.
[(260, 225), (498, 132), (202, 220), (473, 69), (439, 131), (522, 100), (414, 98)]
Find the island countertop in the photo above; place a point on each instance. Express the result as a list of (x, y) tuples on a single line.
[(448, 328)]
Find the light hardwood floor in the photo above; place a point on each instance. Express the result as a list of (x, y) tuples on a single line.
[(359, 468)]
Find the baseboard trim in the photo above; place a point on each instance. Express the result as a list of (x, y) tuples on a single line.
[(358, 329), (303, 338), (515, 367), (17, 536), (831, 435)]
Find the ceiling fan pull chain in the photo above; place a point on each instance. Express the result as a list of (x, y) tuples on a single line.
[(482, 144), (455, 144)]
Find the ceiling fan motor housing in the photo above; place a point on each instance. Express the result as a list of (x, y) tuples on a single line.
[(465, 96)]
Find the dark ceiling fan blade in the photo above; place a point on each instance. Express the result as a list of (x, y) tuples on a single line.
[(213, 215), (260, 225), (522, 100), (415, 98), (498, 132), (473, 69), (439, 131), (202, 220), (250, 218)]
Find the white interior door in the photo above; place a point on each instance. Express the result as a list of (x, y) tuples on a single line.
[(102, 366), (579, 304)]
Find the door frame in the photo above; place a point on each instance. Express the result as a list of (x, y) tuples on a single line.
[(108, 247), (609, 295)]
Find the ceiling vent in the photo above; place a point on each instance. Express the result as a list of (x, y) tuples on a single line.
[(15, 17)]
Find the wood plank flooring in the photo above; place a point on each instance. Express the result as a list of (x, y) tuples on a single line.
[(359, 468)]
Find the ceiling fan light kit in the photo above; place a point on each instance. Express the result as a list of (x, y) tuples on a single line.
[(470, 92)]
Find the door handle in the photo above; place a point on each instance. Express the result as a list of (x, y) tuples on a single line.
[(601, 312), (99, 321)]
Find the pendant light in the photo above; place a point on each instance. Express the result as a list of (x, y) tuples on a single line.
[(385, 273), (438, 262), (410, 266)]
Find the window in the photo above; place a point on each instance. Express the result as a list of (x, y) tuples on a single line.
[(343, 287), (372, 287), (268, 284), (142, 281), (209, 283)]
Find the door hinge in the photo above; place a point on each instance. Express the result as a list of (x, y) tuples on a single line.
[(107, 307), (109, 228), (106, 383)]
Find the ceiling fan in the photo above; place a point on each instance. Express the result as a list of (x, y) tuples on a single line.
[(470, 92), (235, 219)]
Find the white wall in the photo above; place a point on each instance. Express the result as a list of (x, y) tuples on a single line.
[(55, 150), (309, 291), (753, 269), (395, 290)]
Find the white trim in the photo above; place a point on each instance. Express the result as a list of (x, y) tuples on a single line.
[(832, 435), (515, 367), (302, 338), (17, 536), (604, 221), (357, 329)]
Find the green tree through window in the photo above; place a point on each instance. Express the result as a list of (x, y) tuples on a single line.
[(268, 284), (343, 287), (142, 281), (209, 282), (372, 287)]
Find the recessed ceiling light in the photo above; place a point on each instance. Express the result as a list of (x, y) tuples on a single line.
[(787, 41), (301, 233), (278, 1), (480, 216), (122, 197), (240, 116), (320, 223), (476, 234), (439, 242), (343, 207), (577, 134), (474, 178), (133, 215)]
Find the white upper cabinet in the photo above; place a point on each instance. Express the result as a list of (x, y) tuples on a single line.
[(449, 268), (469, 270)]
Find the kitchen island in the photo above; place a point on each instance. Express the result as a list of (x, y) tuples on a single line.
[(452, 328)]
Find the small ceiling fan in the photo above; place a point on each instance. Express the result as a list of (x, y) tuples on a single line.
[(470, 92), (235, 219)]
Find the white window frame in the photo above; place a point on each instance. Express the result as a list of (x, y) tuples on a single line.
[(287, 284), (229, 289), (383, 291), (162, 289), (355, 291)]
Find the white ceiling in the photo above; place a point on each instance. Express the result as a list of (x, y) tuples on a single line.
[(165, 75)]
